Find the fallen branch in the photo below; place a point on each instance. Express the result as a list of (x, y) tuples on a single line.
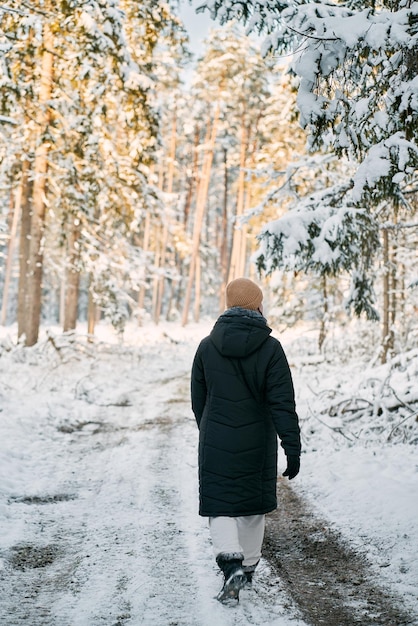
[(400, 424), (352, 406), (336, 429)]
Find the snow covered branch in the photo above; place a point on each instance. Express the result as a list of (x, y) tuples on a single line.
[(358, 92)]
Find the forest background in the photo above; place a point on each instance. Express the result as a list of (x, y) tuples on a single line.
[(137, 181)]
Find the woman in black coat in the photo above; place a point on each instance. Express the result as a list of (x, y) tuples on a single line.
[(242, 398)]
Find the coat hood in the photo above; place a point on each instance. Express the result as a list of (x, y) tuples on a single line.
[(239, 332)]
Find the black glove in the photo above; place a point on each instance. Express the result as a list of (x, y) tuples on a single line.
[(293, 466)]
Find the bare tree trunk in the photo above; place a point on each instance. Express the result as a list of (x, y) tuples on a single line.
[(224, 234), (403, 323), (386, 330), (170, 300), (62, 301), (197, 295), (244, 252), (394, 266), (15, 210), (157, 263), (39, 189), (159, 281), (24, 244), (172, 153), (242, 255), (324, 319), (200, 210), (238, 232), (145, 247), (72, 276), (192, 179), (169, 190), (91, 314)]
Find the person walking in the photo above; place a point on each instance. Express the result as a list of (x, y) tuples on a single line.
[(243, 398)]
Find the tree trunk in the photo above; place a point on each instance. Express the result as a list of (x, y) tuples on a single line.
[(62, 302), (403, 322), (24, 244), (197, 296), (15, 215), (386, 329), (200, 210), (244, 252), (238, 231), (169, 190), (34, 285), (157, 262), (72, 276), (169, 310), (159, 289), (393, 296), (91, 314), (224, 234), (172, 153), (145, 247), (324, 320), (192, 179)]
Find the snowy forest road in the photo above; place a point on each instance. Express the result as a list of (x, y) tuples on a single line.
[(102, 525)]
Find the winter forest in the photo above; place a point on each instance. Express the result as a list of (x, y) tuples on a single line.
[(131, 190), (138, 176)]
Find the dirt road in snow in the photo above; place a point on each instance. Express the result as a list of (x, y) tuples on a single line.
[(328, 581), (105, 513)]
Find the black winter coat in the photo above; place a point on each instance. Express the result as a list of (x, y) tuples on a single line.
[(242, 398)]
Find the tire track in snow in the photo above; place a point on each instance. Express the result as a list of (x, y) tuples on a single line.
[(141, 548), (328, 580)]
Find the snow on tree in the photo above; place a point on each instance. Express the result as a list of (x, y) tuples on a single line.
[(358, 98), (358, 84), (78, 81), (230, 85)]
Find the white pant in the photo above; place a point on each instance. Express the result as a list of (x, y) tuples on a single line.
[(238, 534)]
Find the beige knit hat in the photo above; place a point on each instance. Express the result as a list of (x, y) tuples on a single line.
[(244, 293)]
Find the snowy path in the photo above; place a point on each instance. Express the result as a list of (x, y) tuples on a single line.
[(98, 506), (102, 508)]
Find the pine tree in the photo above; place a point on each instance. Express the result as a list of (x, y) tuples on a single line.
[(356, 64), (78, 80)]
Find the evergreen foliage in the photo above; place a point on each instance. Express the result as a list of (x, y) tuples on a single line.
[(140, 179), (101, 130), (356, 65)]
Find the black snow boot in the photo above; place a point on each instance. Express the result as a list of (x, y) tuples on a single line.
[(234, 577), (249, 572)]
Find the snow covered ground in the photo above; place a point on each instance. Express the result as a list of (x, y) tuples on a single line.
[(98, 497)]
